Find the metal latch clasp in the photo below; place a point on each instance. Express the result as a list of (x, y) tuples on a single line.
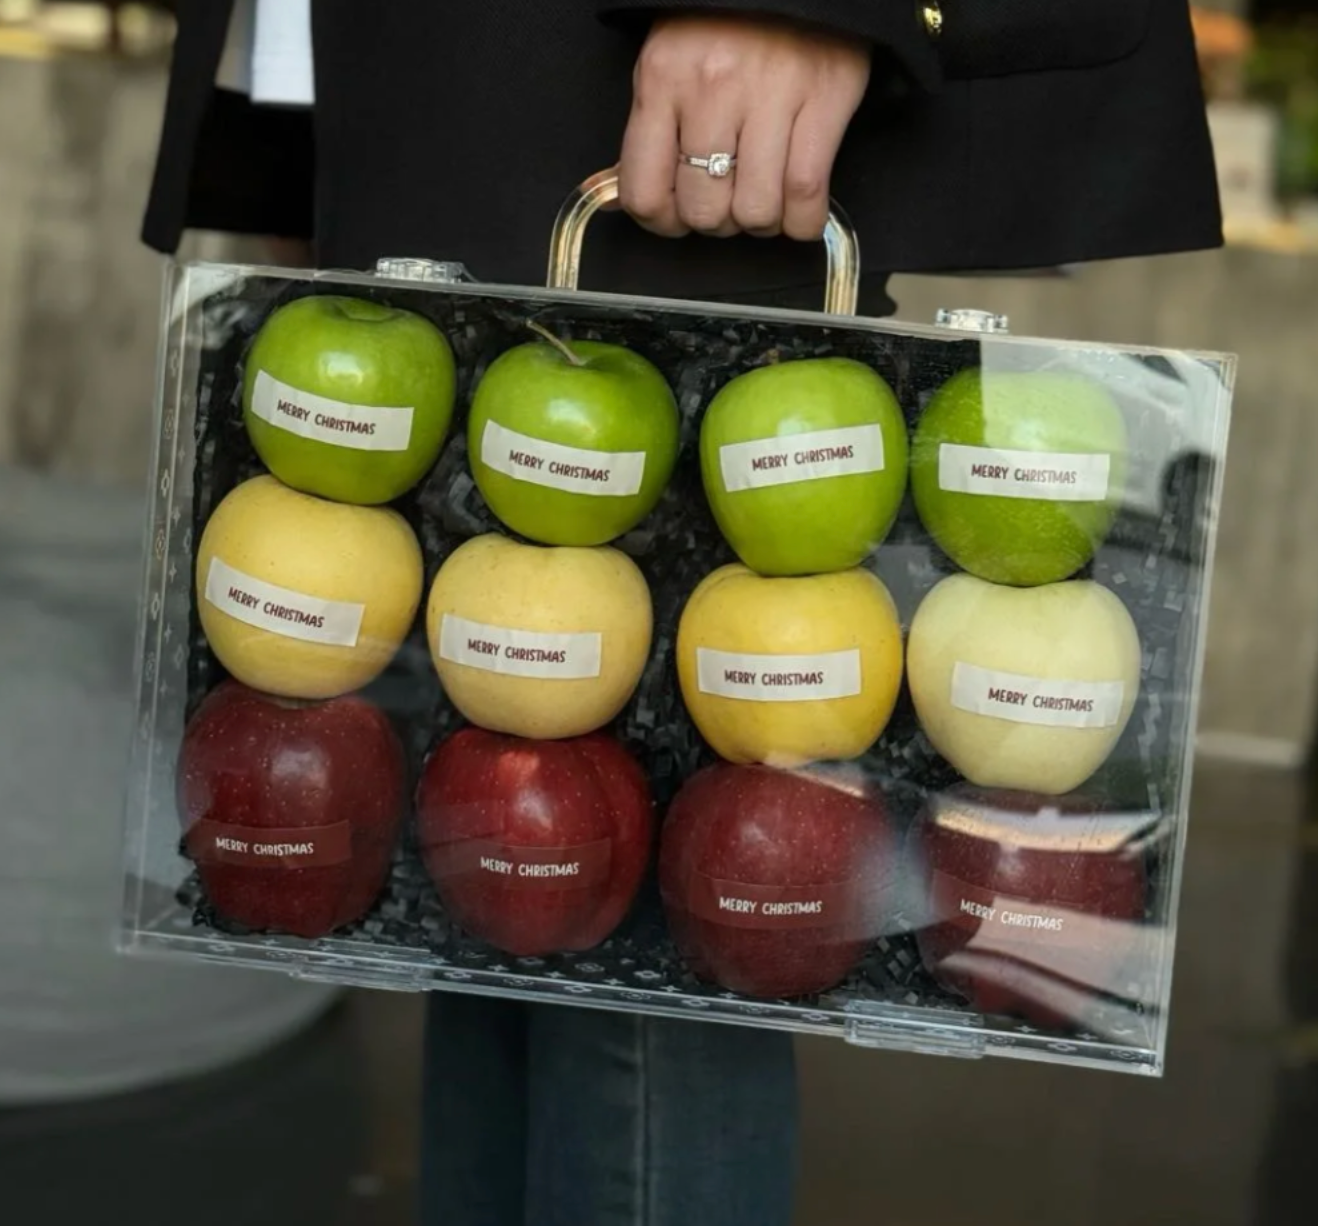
[(922, 1031), (964, 319), (433, 272), (356, 978)]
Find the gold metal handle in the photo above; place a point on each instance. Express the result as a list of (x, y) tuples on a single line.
[(841, 291)]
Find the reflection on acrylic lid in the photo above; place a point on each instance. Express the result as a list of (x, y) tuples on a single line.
[(1041, 824), (1126, 1015), (1093, 952)]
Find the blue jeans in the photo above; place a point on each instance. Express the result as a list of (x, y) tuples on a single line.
[(546, 1115)]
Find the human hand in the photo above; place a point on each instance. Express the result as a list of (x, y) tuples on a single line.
[(777, 96)]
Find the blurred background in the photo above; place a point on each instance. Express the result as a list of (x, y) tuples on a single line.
[(212, 1096)]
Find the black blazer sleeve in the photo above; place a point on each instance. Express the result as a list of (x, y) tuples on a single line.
[(977, 39), (896, 25), (224, 164)]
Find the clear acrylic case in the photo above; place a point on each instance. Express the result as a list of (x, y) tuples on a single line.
[(1002, 692)]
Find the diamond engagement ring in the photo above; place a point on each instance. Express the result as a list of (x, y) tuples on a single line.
[(719, 165)]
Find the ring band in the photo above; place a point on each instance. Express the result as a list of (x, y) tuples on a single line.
[(718, 165)]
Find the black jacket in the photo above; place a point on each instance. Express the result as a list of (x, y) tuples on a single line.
[(1030, 133)]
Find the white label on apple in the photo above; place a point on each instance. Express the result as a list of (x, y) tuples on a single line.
[(519, 653), (295, 615), (574, 469), (801, 457), (1054, 476), (1046, 701), (360, 426), (778, 678)]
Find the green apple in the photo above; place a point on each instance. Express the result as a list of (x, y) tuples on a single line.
[(572, 443), (804, 464), (1017, 475), (348, 399)]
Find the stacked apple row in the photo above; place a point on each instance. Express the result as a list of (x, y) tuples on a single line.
[(292, 784), (1022, 677), (536, 827), (307, 589), (292, 787)]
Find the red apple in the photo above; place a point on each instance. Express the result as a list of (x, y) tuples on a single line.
[(1035, 903), (775, 882), (535, 846), (291, 809)]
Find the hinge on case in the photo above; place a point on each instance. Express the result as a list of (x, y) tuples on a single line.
[(352, 978), (964, 319), (915, 1034)]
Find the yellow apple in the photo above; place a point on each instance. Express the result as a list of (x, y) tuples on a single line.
[(787, 671), (1024, 688), (305, 598), (539, 642)]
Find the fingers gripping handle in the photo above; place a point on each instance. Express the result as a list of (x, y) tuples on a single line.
[(841, 291)]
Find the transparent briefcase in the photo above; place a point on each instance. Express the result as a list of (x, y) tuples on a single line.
[(794, 670)]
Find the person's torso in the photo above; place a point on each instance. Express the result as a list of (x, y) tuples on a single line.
[(456, 130)]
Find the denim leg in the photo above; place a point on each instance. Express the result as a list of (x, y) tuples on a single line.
[(640, 1121), (473, 1145)]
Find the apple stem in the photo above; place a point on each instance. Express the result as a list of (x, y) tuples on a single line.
[(558, 343)]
